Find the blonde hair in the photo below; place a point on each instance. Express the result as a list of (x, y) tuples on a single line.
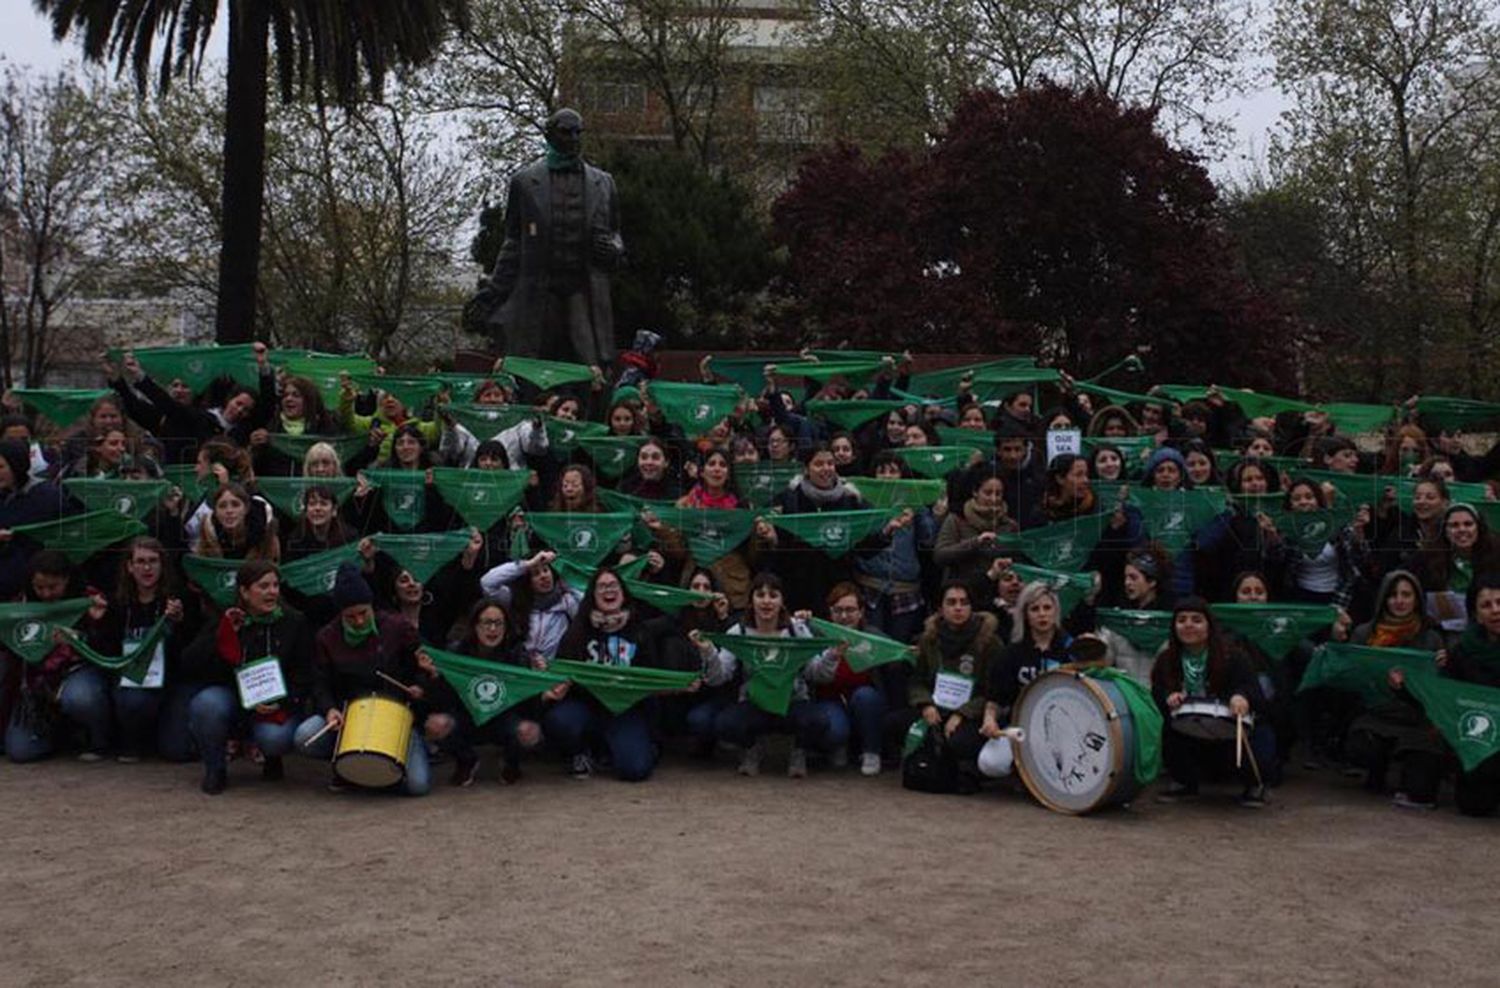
[(1030, 593), (320, 451)]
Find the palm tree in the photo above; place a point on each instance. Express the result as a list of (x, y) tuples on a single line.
[(322, 46)]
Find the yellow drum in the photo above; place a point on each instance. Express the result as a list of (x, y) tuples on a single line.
[(373, 742)]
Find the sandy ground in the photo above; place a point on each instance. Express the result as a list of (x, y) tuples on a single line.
[(126, 874)]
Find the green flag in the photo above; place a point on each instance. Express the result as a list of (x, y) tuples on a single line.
[(1071, 588), (197, 366), (412, 391), (288, 494), (313, 576), (488, 689), (1457, 413), (759, 483), (979, 440), (1146, 721), (582, 537), (854, 412), (710, 534), (422, 555), (80, 536), (216, 576), (1146, 630), (1064, 545), (833, 533), (665, 598), (61, 406), (772, 665), (323, 370), (28, 629), (130, 498), (1172, 517), (621, 687), (1466, 714), (1275, 628), (481, 497), (547, 374), (896, 492), (611, 455), (865, 650), (135, 660), (296, 447), (1309, 531), (403, 495), (694, 408), (1363, 669), (934, 461)]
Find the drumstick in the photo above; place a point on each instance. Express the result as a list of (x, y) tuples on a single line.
[(1016, 734), (393, 681), (1239, 740), (326, 728)]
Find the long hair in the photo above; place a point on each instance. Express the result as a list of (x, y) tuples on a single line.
[(125, 584), (338, 532), (469, 645), (1032, 592), (1166, 672), (314, 411)]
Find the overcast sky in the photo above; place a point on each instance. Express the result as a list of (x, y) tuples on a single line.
[(26, 38)]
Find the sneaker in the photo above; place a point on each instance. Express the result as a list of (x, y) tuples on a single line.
[(336, 784), (582, 768), (128, 758), (465, 771), (750, 760), (1405, 802), (510, 773), (796, 764), (214, 781), (869, 763), (90, 757), (839, 757), (1177, 794), (1254, 798), (272, 770)]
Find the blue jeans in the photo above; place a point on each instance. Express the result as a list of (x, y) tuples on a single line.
[(878, 617), (864, 714), (744, 723), (575, 725), (84, 701), (160, 714), (214, 713), (701, 716), (418, 780)]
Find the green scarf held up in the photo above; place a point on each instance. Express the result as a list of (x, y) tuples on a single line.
[(747, 372), (1064, 545), (564, 435), (1134, 451), (710, 534), (129, 498), (578, 577), (666, 599), (772, 664), (621, 687), (945, 381), (1173, 517), (216, 577), (488, 689), (422, 555), (547, 374), (833, 533), (134, 662), (1466, 714), (1275, 628), (855, 372), (935, 461), (977, 440), (323, 370), (1071, 588), (414, 392), (759, 483), (612, 456), (314, 576), (1452, 414), (481, 497), (79, 537), (853, 412), (488, 421), (1309, 531), (583, 538), (403, 495), (1363, 669), (28, 629), (694, 408), (865, 650), (1146, 630), (899, 493), (60, 406), (197, 366), (640, 535), (288, 495)]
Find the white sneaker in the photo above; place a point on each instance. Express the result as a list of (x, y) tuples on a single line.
[(750, 760), (839, 757), (869, 763), (796, 765), (583, 767)]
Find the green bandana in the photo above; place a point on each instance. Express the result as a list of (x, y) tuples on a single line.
[(314, 576), (1114, 396), (1071, 588), (355, 637), (135, 662), (759, 483), (865, 650), (621, 687), (667, 599), (129, 498), (853, 413), (999, 382), (945, 381), (1134, 451), (488, 689), (323, 370), (296, 447), (1466, 714), (1309, 531), (1146, 630), (611, 455), (488, 421), (215, 577), (481, 497), (935, 461), (1363, 669), (184, 477), (80, 536), (772, 665), (288, 494), (855, 372), (27, 629), (547, 374), (270, 618), (833, 533), (60, 406), (694, 408), (564, 435), (403, 495), (748, 372), (895, 492), (422, 555), (413, 392), (1146, 721), (1252, 403), (711, 534), (578, 577), (1457, 413), (197, 366), (1064, 545), (1172, 517), (640, 535), (583, 538), (978, 440), (1275, 628), (1195, 673), (1360, 418)]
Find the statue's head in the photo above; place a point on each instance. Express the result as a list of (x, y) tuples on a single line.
[(565, 131)]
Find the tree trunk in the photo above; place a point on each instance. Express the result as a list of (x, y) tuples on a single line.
[(244, 171)]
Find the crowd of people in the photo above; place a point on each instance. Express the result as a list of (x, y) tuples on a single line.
[(393, 537)]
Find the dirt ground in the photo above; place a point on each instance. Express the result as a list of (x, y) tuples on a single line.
[(127, 874)]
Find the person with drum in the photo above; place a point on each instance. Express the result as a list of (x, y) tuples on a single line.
[(1038, 644), (249, 669), (1208, 692), (955, 653), (363, 654)]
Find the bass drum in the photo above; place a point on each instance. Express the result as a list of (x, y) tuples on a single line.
[(1079, 752)]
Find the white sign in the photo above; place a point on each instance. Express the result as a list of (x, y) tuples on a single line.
[(260, 682), (1060, 441), (155, 676), (951, 691)]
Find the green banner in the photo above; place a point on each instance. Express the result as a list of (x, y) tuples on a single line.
[(547, 374), (287, 494), (130, 498), (80, 536), (313, 576), (481, 497), (403, 495), (1275, 628), (296, 447), (612, 456), (60, 406), (134, 662), (1146, 721), (1364, 669), (1309, 531), (215, 576), (759, 483), (621, 687), (422, 555), (865, 650), (710, 534), (1071, 588), (585, 539), (1064, 545), (1466, 714), (413, 391), (833, 533), (1146, 630), (29, 630), (197, 366), (896, 492), (772, 665), (694, 408), (1172, 517), (488, 689), (852, 413), (934, 461)]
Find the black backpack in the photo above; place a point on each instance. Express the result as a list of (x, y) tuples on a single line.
[(930, 766)]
